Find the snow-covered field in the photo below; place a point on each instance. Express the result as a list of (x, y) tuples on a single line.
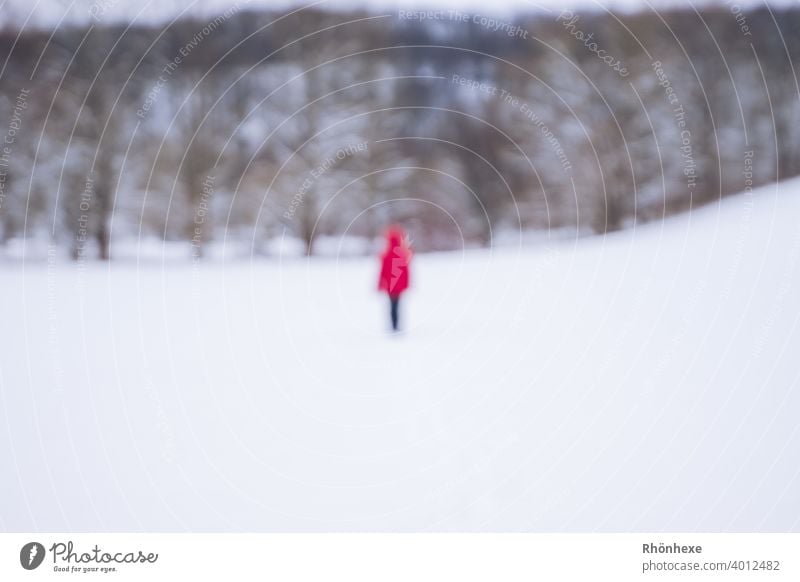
[(643, 381)]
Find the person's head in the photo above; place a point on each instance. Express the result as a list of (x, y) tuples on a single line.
[(395, 235)]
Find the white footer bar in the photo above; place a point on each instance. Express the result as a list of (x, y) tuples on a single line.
[(400, 557)]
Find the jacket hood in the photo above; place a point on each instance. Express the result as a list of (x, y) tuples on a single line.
[(395, 236)]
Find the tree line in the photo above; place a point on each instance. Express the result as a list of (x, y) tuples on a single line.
[(252, 124)]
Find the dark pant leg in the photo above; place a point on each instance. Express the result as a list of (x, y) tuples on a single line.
[(395, 302)]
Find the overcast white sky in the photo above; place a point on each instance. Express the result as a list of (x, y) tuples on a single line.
[(51, 12)]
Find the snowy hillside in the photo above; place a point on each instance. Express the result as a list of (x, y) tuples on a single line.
[(641, 381)]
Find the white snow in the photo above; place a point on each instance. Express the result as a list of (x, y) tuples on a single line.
[(641, 381)]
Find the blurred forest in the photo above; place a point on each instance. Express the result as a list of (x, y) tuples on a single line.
[(329, 123)]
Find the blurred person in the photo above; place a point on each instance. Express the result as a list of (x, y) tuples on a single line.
[(394, 275)]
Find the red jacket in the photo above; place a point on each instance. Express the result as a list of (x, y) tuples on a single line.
[(394, 264)]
